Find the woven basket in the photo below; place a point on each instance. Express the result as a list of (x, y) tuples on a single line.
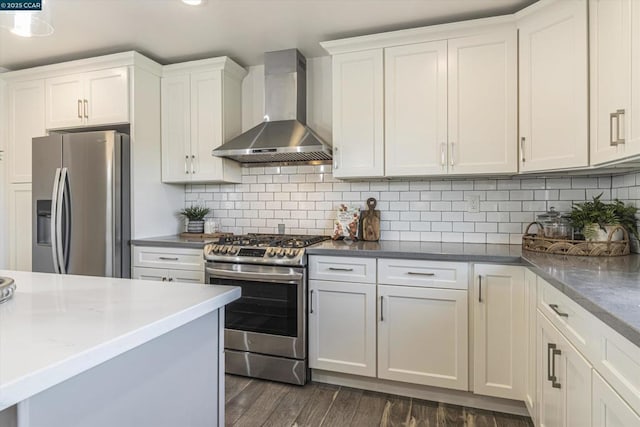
[(538, 243)]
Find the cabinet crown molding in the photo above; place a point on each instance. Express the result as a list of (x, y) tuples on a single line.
[(417, 35), (224, 63)]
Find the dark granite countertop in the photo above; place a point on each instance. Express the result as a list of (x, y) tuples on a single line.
[(609, 288), (173, 241)]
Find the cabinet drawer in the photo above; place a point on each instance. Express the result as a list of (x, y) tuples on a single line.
[(573, 321), (429, 274), (342, 269), (174, 258)]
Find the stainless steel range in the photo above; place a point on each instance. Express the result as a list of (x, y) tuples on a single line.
[(266, 329)]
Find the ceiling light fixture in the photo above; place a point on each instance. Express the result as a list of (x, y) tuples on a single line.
[(29, 23), (192, 2)]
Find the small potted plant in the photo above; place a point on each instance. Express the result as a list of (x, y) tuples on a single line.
[(195, 215), (596, 219)]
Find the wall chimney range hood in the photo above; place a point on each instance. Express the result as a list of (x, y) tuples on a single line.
[(283, 138)]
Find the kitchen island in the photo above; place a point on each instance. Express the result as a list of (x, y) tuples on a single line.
[(78, 351)]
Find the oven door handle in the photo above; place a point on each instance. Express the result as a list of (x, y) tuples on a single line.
[(293, 278)]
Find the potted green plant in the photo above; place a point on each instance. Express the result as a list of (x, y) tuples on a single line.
[(596, 219), (195, 215)]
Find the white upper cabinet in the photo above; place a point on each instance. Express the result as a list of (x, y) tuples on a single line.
[(26, 121), (442, 103), (416, 109), (201, 109), (553, 74), (615, 97), (482, 119), (358, 114), (88, 99)]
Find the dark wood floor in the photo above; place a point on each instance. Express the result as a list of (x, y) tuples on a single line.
[(253, 403)]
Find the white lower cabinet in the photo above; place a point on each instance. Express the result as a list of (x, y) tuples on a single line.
[(422, 336), (20, 206), (167, 275), (564, 380), (342, 327), (164, 264), (609, 409), (530, 394)]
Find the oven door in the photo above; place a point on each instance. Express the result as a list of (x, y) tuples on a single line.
[(269, 318)]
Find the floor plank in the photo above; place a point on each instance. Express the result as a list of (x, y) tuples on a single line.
[(233, 385), (370, 409), (315, 410), (450, 416), (239, 404), (397, 412), (508, 420), (423, 414), (291, 405), (478, 418), (343, 408), (263, 406)]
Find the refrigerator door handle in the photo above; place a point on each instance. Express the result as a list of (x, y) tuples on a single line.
[(54, 217), (62, 264)]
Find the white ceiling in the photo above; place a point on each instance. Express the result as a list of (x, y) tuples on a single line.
[(169, 31)]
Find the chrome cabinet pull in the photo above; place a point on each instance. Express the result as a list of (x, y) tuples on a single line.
[(554, 307), (335, 157), (170, 279), (186, 159), (552, 352), (418, 273), (613, 142), (166, 258), (549, 348), (382, 309), (453, 154), (311, 301), (193, 170), (340, 269), (479, 288), (79, 108), (86, 109), (620, 114), (522, 157), (164, 279), (443, 154)]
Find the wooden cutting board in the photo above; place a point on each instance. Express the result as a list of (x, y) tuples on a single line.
[(370, 220)]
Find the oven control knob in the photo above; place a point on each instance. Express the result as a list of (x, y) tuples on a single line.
[(224, 250), (281, 252), (234, 251), (271, 252), (216, 249)]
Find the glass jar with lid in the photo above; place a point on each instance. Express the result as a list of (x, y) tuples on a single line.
[(556, 225)]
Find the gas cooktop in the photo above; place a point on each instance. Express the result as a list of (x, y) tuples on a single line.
[(280, 249)]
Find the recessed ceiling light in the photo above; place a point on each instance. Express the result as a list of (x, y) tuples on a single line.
[(192, 2)]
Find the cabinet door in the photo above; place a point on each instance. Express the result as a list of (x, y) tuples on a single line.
[(20, 227), (483, 103), (358, 114), (550, 399), (342, 327), (176, 129), (107, 96), (554, 126), (423, 336), (26, 121), (530, 304), (64, 101), (500, 336), (186, 276), (609, 409), (206, 125), (152, 274), (574, 376), (610, 75), (416, 109)]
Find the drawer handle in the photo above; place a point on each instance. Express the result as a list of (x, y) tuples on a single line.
[(554, 307), (164, 279), (382, 309), (166, 258), (340, 269), (418, 273), (552, 352), (311, 301), (479, 288), (170, 279)]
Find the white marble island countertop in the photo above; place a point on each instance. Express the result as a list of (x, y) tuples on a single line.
[(58, 326)]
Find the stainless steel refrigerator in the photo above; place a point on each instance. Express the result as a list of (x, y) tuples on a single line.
[(81, 221)]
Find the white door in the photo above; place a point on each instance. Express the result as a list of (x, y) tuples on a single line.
[(530, 304), (609, 409), (550, 398), (206, 125), (107, 96), (574, 376), (423, 336), (632, 143), (482, 103), (415, 87), (500, 335), (65, 106), (26, 120), (19, 204), (554, 112), (358, 114), (610, 76), (186, 276), (152, 274), (342, 327), (176, 129)]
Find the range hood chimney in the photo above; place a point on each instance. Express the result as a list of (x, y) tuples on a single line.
[(283, 138)]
